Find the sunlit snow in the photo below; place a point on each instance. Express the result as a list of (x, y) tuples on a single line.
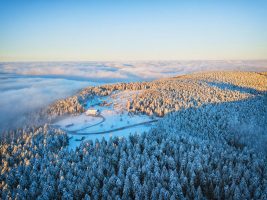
[(113, 116)]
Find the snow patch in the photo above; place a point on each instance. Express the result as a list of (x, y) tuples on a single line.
[(113, 116)]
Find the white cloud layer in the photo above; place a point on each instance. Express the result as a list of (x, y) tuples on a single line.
[(20, 96), (133, 71)]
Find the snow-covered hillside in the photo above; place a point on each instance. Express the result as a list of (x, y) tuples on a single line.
[(209, 142)]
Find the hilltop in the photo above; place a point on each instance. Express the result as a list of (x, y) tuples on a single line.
[(162, 96)]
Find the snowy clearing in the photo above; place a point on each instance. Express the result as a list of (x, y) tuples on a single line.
[(113, 117)]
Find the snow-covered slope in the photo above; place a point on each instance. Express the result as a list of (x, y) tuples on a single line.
[(211, 146)]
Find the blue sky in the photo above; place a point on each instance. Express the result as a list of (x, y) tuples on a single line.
[(132, 30)]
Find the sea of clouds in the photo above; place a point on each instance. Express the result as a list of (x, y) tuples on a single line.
[(28, 86), (125, 71)]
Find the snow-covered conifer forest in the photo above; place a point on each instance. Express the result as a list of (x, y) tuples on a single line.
[(209, 143)]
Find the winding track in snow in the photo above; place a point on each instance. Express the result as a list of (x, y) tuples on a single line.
[(99, 116), (112, 130)]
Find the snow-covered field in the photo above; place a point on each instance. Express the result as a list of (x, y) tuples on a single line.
[(113, 115)]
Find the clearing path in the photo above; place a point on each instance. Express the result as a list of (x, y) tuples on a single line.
[(112, 130)]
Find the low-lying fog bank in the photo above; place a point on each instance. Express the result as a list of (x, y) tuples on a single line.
[(127, 71), (20, 96)]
